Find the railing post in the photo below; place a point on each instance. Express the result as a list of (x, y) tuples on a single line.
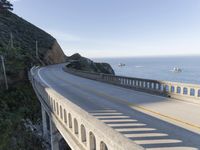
[(169, 88), (196, 92)]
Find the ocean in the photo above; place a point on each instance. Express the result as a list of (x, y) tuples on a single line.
[(159, 68)]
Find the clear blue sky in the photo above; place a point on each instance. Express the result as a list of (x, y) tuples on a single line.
[(113, 28)]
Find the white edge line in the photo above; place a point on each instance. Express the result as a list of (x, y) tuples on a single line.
[(43, 78)]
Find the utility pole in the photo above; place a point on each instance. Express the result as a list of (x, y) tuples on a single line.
[(11, 40), (36, 49), (4, 72)]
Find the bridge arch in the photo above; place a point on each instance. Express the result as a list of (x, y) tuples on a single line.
[(172, 89), (65, 116), (192, 92), (103, 146), (61, 113), (92, 141), (54, 105), (70, 120), (178, 90), (185, 90), (83, 134), (75, 126), (167, 88), (57, 108)]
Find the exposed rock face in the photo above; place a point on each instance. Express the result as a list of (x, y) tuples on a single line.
[(55, 55), (81, 63)]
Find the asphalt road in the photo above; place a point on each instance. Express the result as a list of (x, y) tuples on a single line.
[(154, 122)]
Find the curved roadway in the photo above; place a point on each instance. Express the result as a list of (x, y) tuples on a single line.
[(154, 122)]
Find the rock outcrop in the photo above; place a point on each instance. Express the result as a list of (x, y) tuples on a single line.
[(55, 55), (81, 63)]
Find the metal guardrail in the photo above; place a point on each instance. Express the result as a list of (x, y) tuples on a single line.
[(181, 91)]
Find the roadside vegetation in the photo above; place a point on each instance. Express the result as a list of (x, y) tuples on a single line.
[(20, 112), (19, 106)]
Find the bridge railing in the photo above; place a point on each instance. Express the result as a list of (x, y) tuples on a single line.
[(182, 91), (84, 128)]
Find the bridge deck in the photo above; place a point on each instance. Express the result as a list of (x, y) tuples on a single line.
[(153, 122)]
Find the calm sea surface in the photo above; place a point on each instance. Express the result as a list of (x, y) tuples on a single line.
[(157, 68)]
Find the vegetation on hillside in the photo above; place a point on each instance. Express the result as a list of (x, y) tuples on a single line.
[(23, 35), (5, 5), (19, 105)]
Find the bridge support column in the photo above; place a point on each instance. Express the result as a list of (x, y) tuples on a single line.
[(45, 124), (55, 137)]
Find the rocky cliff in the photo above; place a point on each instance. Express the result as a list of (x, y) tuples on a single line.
[(81, 63), (55, 55)]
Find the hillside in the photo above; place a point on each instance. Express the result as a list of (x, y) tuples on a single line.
[(25, 36), (19, 106), (22, 54)]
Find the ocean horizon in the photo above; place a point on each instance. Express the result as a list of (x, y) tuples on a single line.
[(158, 68)]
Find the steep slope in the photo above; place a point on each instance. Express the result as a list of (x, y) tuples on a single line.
[(25, 36), (22, 53), (19, 105)]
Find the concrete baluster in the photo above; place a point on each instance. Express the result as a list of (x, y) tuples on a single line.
[(169, 88), (196, 92)]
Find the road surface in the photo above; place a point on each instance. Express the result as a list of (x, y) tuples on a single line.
[(154, 122)]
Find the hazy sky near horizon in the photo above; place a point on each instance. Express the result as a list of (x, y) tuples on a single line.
[(116, 28)]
